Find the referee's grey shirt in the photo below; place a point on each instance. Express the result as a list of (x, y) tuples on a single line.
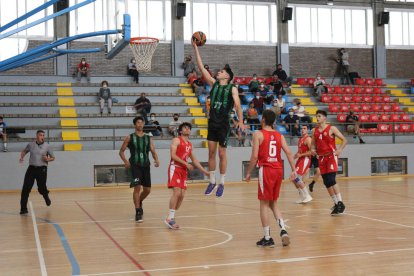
[(37, 152)]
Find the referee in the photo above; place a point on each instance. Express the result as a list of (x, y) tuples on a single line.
[(40, 155)]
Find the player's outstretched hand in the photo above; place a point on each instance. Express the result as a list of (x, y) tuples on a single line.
[(293, 175), (194, 44), (156, 163), (127, 164), (241, 126)]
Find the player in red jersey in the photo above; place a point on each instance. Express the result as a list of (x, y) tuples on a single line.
[(181, 150), (303, 164), (266, 154), (323, 144)]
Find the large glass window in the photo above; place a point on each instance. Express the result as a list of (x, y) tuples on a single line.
[(330, 25), (400, 30)]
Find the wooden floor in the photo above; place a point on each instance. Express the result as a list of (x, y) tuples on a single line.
[(92, 232)]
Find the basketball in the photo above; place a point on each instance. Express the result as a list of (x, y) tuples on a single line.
[(199, 38)]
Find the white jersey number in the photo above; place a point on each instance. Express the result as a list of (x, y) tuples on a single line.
[(272, 149)]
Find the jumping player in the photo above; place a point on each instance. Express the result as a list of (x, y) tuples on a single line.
[(181, 151), (224, 96), (266, 154), (139, 144), (323, 144), (302, 164)]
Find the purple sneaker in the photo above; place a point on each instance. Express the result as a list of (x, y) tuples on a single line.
[(220, 190), (210, 189)]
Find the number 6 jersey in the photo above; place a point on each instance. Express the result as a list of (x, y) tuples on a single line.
[(269, 149)]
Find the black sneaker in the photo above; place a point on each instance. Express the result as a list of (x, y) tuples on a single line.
[(285, 238), (47, 199), (311, 186), (23, 212), (266, 243), (142, 206), (341, 207), (138, 215), (334, 210)]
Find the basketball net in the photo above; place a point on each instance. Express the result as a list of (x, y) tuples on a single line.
[(143, 48)]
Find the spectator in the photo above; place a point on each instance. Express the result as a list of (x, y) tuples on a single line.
[(242, 95), (291, 122), (300, 111), (133, 71), (234, 130), (156, 129), (84, 70), (104, 96), (275, 108), (259, 103), (319, 86), (254, 84), (173, 126), (203, 80), (353, 126), (344, 65), (143, 106), (281, 102), (277, 86), (252, 117), (263, 92), (192, 77), (3, 134), (282, 75), (188, 65)]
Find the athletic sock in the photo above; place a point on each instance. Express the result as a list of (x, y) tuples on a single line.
[(5, 145), (222, 178), (334, 199), (171, 215), (266, 231), (213, 177), (305, 192), (281, 224), (312, 183), (339, 197)]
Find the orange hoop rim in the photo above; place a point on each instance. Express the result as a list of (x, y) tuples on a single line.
[(141, 40)]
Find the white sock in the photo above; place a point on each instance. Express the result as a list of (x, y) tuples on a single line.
[(339, 197), (334, 199), (171, 214), (213, 177), (304, 192), (266, 231), (222, 178), (5, 145), (281, 224)]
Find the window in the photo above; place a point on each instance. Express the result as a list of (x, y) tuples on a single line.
[(330, 25), (388, 165), (400, 30)]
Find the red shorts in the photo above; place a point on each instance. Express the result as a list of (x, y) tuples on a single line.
[(302, 165), (270, 180), (177, 177), (328, 163)]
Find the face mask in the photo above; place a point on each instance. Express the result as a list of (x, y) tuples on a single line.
[(232, 115), (175, 119), (105, 85), (133, 61), (318, 78), (274, 104), (153, 118), (291, 113), (257, 97), (83, 62)]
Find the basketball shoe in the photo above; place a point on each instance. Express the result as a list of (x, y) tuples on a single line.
[(47, 199), (265, 243), (171, 224), (210, 189), (334, 210), (23, 212), (341, 207), (285, 238), (220, 190), (138, 215)]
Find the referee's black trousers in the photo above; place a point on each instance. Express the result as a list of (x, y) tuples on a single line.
[(33, 173)]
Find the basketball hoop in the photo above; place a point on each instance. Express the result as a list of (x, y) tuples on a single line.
[(143, 48)]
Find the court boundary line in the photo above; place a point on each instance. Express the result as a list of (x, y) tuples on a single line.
[(38, 244)]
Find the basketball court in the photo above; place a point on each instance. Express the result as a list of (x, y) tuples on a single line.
[(93, 232)]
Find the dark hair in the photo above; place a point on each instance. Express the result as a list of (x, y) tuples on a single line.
[(132, 59), (185, 124), (104, 81), (269, 117), (279, 64), (40, 131), (1, 117), (152, 114), (83, 59), (138, 118), (322, 112), (228, 70), (176, 114)]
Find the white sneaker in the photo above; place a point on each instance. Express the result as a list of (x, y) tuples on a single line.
[(307, 199), (299, 201)]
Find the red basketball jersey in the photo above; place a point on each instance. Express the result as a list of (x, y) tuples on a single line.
[(324, 143), (184, 150), (302, 147), (269, 149)]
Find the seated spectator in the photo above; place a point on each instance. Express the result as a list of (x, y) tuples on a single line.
[(133, 71), (84, 70), (104, 96), (154, 123), (242, 95), (275, 108), (3, 135), (234, 130), (353, 126), (259, 103), (143, 106), (263, 92), (281, 103), (254, 84), (192, 77), (277, 86), (188, 65), (282, 75), (300, 111), (252, 117), (291, 122), (319, 86), (173, 126)]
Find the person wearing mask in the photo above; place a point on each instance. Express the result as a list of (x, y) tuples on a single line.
[(259, 103), (173, 126), (252, 117), (281, 102), (319, 85), (143, 106), (133, 71), (254, 84), (84, 70), (302, 114), (104, 95), (291, 122), (157, 131), (277, 86), (282, 75)]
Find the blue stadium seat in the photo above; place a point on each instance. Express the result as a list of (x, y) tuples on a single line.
[(244, 107), (281, 129), (412, 90), (282, 116), (249, 97), (244, 87), (202, 99), (288, 106)]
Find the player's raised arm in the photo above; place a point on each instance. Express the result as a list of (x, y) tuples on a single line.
[(257, 138), (210, 80)]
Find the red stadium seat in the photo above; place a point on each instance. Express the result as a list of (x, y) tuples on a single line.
[(395, 117), (247, 80), (337, 90), (376, 108), (405, 128), (378, 82), (344, 108), (369, 82), (346, 98), (333, 108), (357, 90), (376, 99), (377, 90), (300, 81), (329, 89), (397, 128), (356, 99), (368, 90), (347, 89), (336, 99), (387, 108), (383, 127), (341, 118), (412, 127), (366, 99), (405, 117), (268, 80), (396, 108), (261, 79), (412, 82), (364, 118), (373, 117), (355, 107), (310, 82), (384, 117), (237, 79), (325, 99), (386, 99), (366, 107), (359, 81)]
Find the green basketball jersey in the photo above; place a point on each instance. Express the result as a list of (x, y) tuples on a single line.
[(221, 103), (139, 148)]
